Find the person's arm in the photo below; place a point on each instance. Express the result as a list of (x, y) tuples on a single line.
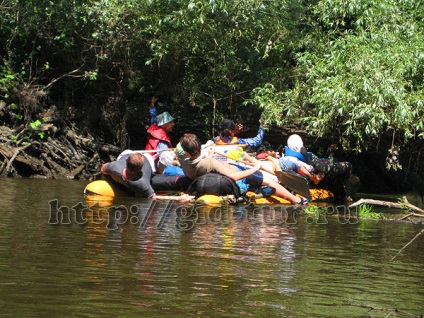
[(153, 111), (235, 175), (305, 154), (238, 175), (162, 145), (255, 141), (104, 169)]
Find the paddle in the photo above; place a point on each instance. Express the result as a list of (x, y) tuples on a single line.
[(234, 156), (181, 198), (289, 179), (295, 182), (150, 150), (129, 151)]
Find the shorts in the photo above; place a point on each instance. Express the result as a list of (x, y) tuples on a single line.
[(255, 179), (288, 165)]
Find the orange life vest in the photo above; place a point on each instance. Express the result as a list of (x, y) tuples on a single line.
[(219, 141)]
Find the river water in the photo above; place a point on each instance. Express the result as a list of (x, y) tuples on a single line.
[(64, 256)]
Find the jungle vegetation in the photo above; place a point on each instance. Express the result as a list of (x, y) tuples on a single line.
[(350, 69)]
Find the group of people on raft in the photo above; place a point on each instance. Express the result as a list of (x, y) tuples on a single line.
[(160, 167)]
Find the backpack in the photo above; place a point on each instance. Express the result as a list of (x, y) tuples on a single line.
[(215, 184)]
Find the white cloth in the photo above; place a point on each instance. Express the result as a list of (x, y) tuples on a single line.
[(295, 142), (167, 158)]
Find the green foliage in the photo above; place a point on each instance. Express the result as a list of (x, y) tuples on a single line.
[(360, 74), (366, 212), (351, 69), (34, 126)]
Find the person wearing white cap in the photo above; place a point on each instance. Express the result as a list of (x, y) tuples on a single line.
[(296, 149)]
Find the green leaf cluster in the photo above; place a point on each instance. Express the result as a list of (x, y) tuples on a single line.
[(359, 74), (349, 69)]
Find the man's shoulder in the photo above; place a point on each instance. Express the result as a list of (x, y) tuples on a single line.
[(116, 165)]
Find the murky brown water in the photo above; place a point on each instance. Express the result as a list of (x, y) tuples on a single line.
[(137, 260)]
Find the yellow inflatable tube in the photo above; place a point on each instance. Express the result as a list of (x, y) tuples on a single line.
[(101, 189)]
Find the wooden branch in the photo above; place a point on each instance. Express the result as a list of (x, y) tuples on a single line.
[(377, 202), (415, 237), (411, 214), (69, 74), (53, 144), (9, 164), (75, 153), (403, 205)]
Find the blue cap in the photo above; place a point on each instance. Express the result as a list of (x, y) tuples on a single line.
[(164, 118)]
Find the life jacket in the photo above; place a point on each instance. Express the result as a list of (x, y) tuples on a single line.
[(291, 153), (155, 134), (214, 183), (220, 141)]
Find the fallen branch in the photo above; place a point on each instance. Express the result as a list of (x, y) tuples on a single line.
[(400, 251), (9, 164), (389, 310), (404, 204), (409, 215)]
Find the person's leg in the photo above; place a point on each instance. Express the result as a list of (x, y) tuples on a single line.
[(288, 165), (281, 191), (321, 166), (315, 178), (259, 179)]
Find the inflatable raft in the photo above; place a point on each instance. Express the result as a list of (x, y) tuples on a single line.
[(104, 190)]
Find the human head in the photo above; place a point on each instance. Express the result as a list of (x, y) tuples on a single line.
[(191, 144), (226, 128), (135, 162), (295, 142), (166, 121), (266, 147)]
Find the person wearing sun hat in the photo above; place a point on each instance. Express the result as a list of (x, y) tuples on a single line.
[(158, 134)]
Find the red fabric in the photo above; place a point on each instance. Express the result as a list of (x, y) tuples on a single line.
[(262, 156), (155, 134)]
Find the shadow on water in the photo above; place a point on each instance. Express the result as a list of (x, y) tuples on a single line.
[(132, 256)]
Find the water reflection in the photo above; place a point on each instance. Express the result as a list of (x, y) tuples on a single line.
[(131, 257)]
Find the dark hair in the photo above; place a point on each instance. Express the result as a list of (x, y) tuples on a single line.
[(135, 162), (191, 144), (226, 128)]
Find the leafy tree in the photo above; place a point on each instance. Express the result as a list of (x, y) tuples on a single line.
[(359, 72), (350, 69)]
